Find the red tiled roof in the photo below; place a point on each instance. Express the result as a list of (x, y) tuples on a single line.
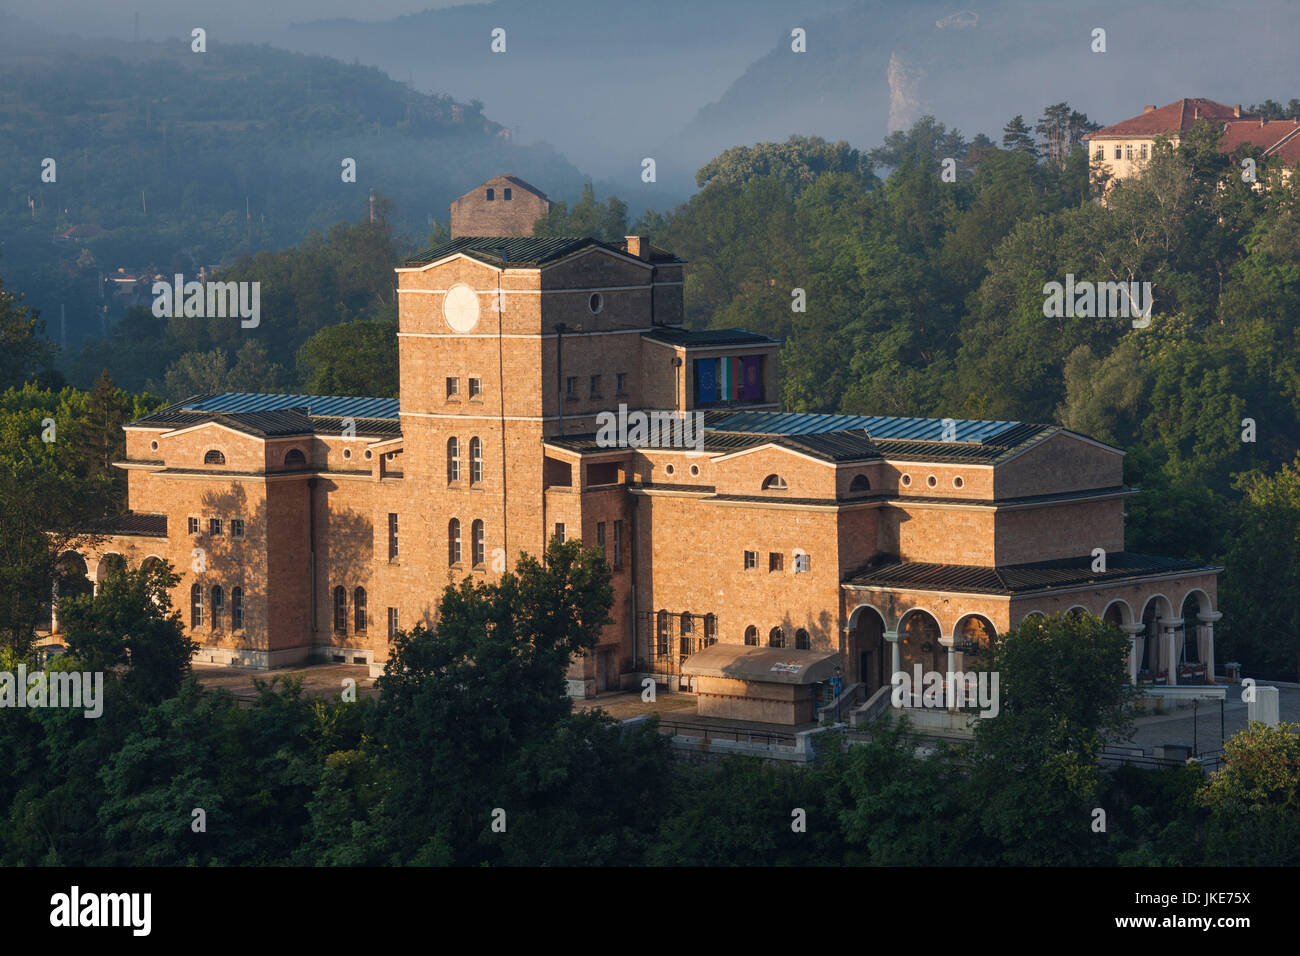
[(1273, 136), (1178, 116)]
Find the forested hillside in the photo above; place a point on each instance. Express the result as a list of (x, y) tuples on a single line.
[(169, 160)]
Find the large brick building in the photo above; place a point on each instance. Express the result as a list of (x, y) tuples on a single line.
[(308, 527)]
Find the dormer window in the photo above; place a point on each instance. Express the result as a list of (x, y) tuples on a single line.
[(214, 457), (775, 483)]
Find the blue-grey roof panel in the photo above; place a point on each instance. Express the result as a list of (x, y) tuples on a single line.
[(342, 406), (876, 426)]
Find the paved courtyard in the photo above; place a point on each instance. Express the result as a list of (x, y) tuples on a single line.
[(1177, 728)]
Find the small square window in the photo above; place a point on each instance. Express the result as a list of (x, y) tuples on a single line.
[(751, 560), (595, 386), (453, 387), (475, 387), (214, 526), (775, 561), (194, 526), (236, 527), (620, 382)]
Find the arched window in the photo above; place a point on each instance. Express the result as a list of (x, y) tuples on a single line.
[(236, 609), (774, 483), (295, 459), (710, 629), (340, 610), (359, 610), (218, 605), (453, 459), (776, 637), (801, 641), (688, 624), (492, 194), (479, 544), (214, 457), (859, 483), (196, 606), (475, 461), (453, 541), (751, 636)]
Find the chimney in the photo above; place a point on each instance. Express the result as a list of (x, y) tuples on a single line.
[(638, 246), (1149, 109), (1236, 111)]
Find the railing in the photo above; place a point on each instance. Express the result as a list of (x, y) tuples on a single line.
[(680, 728)]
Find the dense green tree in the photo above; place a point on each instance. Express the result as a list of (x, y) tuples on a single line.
[(798, 163), (130, 621), (353, 358), (1063, 693)]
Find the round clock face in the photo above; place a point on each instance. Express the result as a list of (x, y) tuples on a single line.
[(460, 308)]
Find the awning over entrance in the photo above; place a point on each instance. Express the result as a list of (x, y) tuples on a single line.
[(776, 665)]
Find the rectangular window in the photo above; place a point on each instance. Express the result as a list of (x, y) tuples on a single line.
[(236, 608), (571, 387), (775, 561), (392, 537), (595, 386), (1144, 150), (214, 526), (1128, 151), (392, 623), (751, 560), (620, 382), (453, 387), (507, 193), (559, 531), (1118, 152), (600, 534), (800, 563), (618, 545), (236, 527), (475, 387), (1101, 152), (194, 526)]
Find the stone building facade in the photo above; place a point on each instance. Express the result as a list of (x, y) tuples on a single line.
[(309, 527), (502, 206)]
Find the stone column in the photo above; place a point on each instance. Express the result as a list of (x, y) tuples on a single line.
[(1133, 630), (895, 658), (54, 608), (1170, 628), (1206, 652)]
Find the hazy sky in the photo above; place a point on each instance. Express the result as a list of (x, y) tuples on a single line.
[(251, 20)]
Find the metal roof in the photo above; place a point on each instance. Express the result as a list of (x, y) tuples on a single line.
[(344, 406), (132, 523), (1017, 578), (876, 426), (707, 338)]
